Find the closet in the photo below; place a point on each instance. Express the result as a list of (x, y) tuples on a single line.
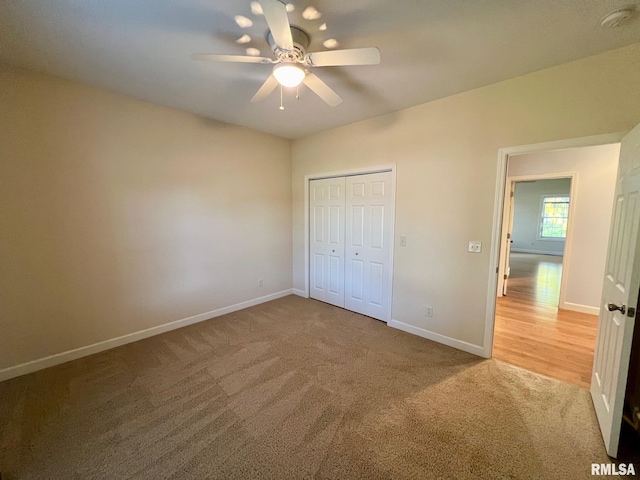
[(350, 252)]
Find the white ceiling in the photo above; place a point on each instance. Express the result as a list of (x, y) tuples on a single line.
[(430, 49)]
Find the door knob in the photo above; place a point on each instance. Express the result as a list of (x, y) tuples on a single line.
[(612, 307), (356, 253), (333, 251)]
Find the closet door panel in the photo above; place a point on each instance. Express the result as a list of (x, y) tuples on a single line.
[(327, 212), (368, 244)]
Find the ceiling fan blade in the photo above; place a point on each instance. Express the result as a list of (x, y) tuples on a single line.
[(212, 57), (265, 90), (275, 13), (334, 58), (322, 90)]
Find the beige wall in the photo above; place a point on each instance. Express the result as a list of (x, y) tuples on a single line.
[(117, 215), (591, 209), (446, 153)]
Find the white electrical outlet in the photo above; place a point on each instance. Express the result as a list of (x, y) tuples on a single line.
[(475, 246), (428, 311), (260, 283)]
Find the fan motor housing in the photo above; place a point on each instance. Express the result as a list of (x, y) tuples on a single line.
[(300, 45)]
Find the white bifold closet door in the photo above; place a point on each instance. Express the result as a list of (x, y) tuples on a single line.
[(369, 204), (350, 242), (327, 223)]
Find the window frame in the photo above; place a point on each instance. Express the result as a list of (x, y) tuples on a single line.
[(541, 217)]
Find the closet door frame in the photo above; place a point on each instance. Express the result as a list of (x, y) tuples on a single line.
[(345, 173)]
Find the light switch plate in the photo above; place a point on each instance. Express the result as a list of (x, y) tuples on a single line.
[(403, 240), (475, 246)]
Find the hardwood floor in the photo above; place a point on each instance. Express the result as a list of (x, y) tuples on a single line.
[(533, 333)]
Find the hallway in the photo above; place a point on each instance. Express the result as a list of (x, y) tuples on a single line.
[(533, 333)]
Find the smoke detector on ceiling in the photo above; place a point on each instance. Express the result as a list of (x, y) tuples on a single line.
[(617, 18)]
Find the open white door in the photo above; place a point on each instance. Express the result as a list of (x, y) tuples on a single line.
[(619, 296), (509, 240)]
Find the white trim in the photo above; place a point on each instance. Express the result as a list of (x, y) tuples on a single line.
[(498, 208), (576, 307), (436, 337), (299, 293), (348, 173), (537, 252), (58, 358)]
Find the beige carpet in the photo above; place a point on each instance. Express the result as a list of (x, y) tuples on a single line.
[(293, 389)]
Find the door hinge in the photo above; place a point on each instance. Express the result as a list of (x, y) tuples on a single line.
[(506, 276), (512, 192), (497, 269), (508, 236), (631, 312)]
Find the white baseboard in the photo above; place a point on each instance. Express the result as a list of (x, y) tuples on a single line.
[(576, 307), (299, 293), (539, 252), (436, 337), (63, 357)]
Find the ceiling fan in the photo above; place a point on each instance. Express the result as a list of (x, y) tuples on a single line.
[(292, 63)]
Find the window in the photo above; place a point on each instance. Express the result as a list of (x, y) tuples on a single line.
[(555, 212)]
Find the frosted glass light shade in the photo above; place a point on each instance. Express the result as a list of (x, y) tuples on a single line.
[(288, 74)]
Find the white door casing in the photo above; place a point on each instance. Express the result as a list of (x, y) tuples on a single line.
[(368, 250), (621, 285), (327, 223), (496, 262)]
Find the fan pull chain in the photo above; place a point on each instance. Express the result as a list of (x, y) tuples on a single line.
[(281, 105), (297, 92)]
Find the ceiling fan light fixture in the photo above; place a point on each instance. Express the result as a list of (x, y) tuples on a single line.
[(288, 74), (292, 63)]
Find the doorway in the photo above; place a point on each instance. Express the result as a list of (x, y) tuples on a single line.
[(552, 259), (538, 222)]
